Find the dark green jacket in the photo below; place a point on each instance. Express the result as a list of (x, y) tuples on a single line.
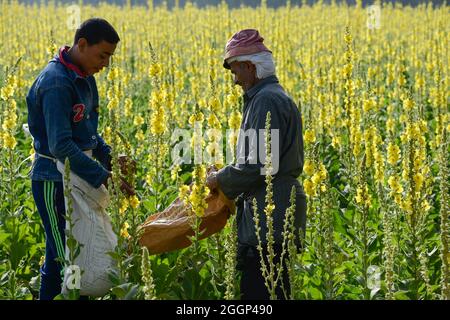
[(244, 180)]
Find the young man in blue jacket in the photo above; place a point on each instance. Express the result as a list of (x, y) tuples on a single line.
[(63, 117)]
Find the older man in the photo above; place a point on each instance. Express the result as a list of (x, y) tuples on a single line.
[(252, 66)]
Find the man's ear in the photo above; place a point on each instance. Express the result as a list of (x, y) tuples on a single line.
[(82, 44)]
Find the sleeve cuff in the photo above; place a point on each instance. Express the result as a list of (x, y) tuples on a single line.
[(224, 186), (101, 179)]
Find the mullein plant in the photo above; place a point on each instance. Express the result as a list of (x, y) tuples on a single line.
[(439, 144), (158, 128), (363, 200), (268, 268), (214, 156), (230, 259), (389, 211), (231, 237), (321, 200), (119, 203), (289, 234), (8, 164), (72, 244), (8, 141), (349, 97), (415, 203), (147, 277), (273, 272), (214, 131), (443, 161), (375, 166)]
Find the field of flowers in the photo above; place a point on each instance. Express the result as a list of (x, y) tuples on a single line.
[(374, 97)]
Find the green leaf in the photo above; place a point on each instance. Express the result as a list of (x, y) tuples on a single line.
[(132, 293), (401, 295), (315, 293)]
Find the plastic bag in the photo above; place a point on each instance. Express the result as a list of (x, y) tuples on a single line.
[(169, 230), (94, 231)]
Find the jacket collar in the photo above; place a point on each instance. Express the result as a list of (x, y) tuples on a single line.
[(257, 87), (63, 57)]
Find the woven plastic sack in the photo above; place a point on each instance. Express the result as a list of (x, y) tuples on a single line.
[(169, 230), (94, 231)]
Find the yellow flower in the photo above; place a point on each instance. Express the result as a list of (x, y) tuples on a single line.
[(336, 141), (113, 103), (407, 205), (9, 141), (395, 185), (134, 202), (183, 193), (213, 122), (425, 205), (42, 261), (418, 180), (10, 121), (310, 136), (408, 104), (158, 122), (309, 187), (140, 135), (198, 117), (7, 92), (138, 120), (316, 178), (128, 106), (322, 172), (124, 231), (155, 69), (108, 134), (215, 104), (234, 122), (359, 198), (390, 125), (269, 209), (369, 104), (308, 167), (393, 153), (123, 205), (113, 74), (174, 172), (363, 196)]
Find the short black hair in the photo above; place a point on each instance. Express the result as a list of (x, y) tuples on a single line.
[(95, 30)]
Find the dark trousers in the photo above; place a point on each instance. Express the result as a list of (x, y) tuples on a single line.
[(49, 199), (252, 281)]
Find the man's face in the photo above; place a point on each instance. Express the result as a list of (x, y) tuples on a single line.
[(243, 73), (95, 57)]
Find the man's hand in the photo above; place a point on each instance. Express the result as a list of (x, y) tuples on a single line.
[(125, 187), (127, 165), (211, 181)]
